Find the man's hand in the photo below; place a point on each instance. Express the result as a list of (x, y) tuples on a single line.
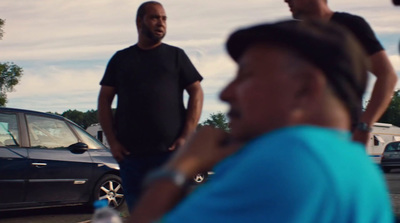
[(361, 136), (202, 151), (177, 144), (118, 151)]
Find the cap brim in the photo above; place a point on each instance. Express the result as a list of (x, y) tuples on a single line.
[(240, 40)]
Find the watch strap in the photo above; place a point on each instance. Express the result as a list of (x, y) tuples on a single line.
[(364, 127), (178, 178)]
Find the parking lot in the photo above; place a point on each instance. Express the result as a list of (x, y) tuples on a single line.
[(79, 214)]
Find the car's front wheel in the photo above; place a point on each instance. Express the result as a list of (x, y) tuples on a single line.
[(109, 187)]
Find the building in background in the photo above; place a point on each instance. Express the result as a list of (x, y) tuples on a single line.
[(96, 131), (382, 134)]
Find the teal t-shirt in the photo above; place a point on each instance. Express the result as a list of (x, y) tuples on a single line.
[(294, 174)]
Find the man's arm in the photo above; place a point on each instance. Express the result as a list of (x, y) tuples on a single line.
[(381, 94), (195, 104), (105, 115), (204, 149)]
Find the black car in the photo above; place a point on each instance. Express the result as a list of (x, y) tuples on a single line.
[(391, 157), (47, 160)]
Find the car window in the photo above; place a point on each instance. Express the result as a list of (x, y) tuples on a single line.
[(9, 133), (49, 133), (393, 147), (88, 139)]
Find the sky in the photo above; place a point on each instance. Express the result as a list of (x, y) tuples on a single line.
[(64, 45)]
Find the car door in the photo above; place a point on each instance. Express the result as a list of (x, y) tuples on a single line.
[(14, 163), (57, 173)]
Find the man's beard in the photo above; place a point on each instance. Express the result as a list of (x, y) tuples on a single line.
[(147, 32)]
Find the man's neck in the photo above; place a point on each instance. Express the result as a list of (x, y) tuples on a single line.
[(323, 12), (333, 114), (148, 45)]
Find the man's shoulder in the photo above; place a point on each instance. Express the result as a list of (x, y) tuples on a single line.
[(359, 27), (127, 49), (302, 139), (299, 132), (344, 17)]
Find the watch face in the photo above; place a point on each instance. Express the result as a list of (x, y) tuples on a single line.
[(362, 126)]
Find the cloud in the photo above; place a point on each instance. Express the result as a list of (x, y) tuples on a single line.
[(395, 60), (64, 46), (57, 89)]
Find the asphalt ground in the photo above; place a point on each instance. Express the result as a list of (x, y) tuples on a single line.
[(79, 214)]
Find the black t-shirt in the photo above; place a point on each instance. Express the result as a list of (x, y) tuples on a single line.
[(360, 29), (150, 84)]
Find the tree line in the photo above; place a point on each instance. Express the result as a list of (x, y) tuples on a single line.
[(392, 113), (220, 120), (85, 119)]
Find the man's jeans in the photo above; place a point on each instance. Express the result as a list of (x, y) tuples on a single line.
[(133, 170)]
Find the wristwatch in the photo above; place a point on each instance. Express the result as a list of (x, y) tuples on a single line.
[(177, 178), (364, 127)]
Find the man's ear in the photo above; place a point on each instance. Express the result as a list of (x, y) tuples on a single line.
[(309, 95), (139, 23), (311, 86)]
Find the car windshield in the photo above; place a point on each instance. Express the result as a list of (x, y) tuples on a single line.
[(88, 139), (393, 147)]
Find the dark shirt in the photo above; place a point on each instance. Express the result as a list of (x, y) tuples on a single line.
[(149, 84), (360, 29)]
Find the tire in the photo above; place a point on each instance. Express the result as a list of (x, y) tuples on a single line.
[(109, 187), (200, 178)]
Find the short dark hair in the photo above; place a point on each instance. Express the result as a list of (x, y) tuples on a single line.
[(142, 8)]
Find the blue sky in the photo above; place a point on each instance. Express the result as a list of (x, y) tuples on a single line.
[(64, 45)]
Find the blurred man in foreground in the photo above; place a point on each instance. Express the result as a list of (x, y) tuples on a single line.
[(289, 156)]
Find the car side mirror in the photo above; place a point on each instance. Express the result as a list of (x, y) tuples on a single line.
[(78, 148)]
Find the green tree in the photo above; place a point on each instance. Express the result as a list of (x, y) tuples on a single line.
[(90, 118), (83, 119), (392, 113), (218, 120), (75, 116), (1, 28), (10, 74)]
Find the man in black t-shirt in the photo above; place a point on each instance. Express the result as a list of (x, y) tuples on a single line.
[(380, 65), (151, 120)]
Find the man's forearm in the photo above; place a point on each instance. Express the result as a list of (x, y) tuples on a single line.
[(193, 115), (164, 190), (383, 89), (195, 105)]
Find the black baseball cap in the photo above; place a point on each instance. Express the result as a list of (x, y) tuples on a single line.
[(328, 46)]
